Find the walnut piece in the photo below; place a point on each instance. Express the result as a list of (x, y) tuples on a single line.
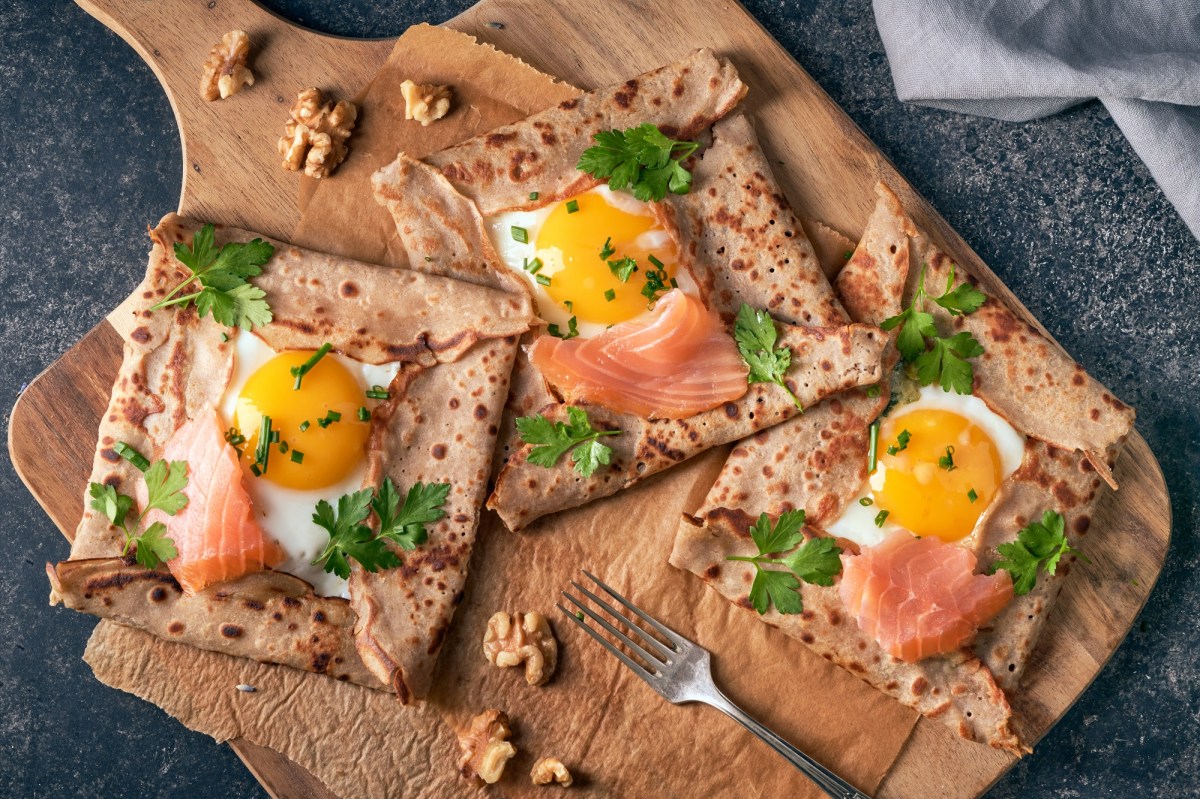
[(522, 638), (225, 72), (485, 747), (550, 770), (425, 102), (315, 137)]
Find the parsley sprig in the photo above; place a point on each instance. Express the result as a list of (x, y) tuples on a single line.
[(815, 561), (755, 334), (552, 440), (1039, 546), (221, 273), (939, 359), (164, 491), (643, 158), (404, 525)]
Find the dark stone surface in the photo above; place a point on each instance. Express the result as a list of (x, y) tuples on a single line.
[(1061, 209)]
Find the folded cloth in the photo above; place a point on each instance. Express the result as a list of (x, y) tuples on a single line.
[(1021, 59)]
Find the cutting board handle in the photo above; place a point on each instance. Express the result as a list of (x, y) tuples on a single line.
[(174, 38)]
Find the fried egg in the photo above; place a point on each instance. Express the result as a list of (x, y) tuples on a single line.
[(941, 460), (332, 455), (558, 249)]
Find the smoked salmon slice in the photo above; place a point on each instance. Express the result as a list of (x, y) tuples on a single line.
[(674, 363), (920, 596), (216, 534)]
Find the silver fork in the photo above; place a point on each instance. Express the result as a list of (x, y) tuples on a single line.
[(679, 672)]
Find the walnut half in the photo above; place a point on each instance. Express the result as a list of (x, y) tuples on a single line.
[(315, 136), (425, 102), (522, 638), (550, 770), (485, 747), (225, 72)]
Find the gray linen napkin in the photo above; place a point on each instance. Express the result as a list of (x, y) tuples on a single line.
[(1021, 59)]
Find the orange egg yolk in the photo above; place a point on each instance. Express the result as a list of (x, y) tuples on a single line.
[(919, 491), (575, 240), (331, 452)]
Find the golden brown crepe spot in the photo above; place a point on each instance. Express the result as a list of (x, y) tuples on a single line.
[(919, 686), (231, 631), (252, 604), (438, 451), (712, 572), (109, 455), (624, 96), (175, 628)]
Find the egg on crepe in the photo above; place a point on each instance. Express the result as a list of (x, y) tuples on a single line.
[(564, 249), (321, 448), (940, 460)]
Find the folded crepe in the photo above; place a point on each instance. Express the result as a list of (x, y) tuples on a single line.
[(453, 346), (735, 233), (1074, 429)]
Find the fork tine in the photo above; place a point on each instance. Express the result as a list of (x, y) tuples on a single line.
[(625, 639), (633, 665), (663, 650), (670, 634)]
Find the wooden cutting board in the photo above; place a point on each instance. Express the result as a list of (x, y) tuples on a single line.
[(826, 165)]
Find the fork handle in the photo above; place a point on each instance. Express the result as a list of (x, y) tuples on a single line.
[(825, 779)]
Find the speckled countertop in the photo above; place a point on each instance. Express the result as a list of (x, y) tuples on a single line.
[(1061, 209)]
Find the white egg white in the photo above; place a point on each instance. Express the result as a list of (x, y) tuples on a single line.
[(857, 521), (516, 255), (286, 513)]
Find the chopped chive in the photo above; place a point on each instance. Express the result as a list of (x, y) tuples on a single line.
[(304, 425), (579, 615), (257, 472), (866, 502), (262, 452), (873, 391), (543, 280), (132, 455), (533, 195), (610, 295), (224, 337), (657, 263), (274, 437), (297, 456), (363, 414), (901, 443), (572, 206), (300, 371), (674, 283), (519, 234), (846, 255), (873, 450), (535, 266), (880, 518), (971, 495), (607, 249), (570, 306), (377, 393), (283, 447), (947, 460), (333, 416)]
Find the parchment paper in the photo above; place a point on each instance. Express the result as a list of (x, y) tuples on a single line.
[(612, 731)]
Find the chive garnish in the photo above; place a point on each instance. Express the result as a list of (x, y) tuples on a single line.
[(657, 263), (947, 460), (257, 472), (880, 518), (297, 456), (377, 393), (300, 371), (304, 425), (224, 337), (519, 234), (533, 195), (330, 418), (283, 447), (866, 502), (132, 455), (873, 450), (873, 391), (570, 306), (610, 295), (607, 250), (262, 451), (543, 280), (363, 414), (971, 495), (572, 206), (535, 266)]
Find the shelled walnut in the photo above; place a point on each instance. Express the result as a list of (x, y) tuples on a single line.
[(425, 102), (550, 770), (225, 72), (485, 747), (315, 136), (522, 638)]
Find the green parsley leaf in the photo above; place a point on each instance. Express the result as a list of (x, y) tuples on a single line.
[(153, 546), (945, 363), (350, 538), (164, 487), (222, 274), (641, 158), (962, 300), (607, 251), (815, 561), (1039, 545), (106, 500), (406, 525), (623, 269), (755, 334), (552, 440)]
